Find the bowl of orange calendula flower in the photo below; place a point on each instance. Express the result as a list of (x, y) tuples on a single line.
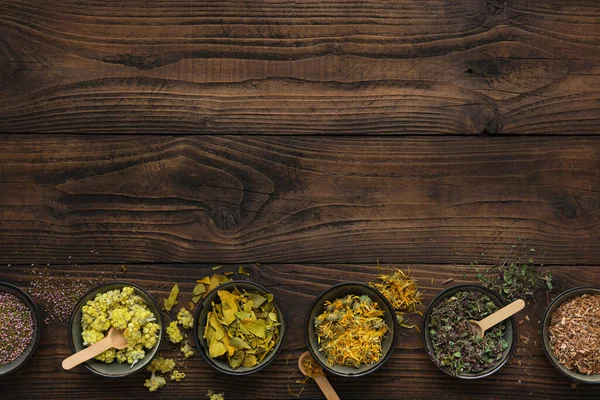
[(351, 329)]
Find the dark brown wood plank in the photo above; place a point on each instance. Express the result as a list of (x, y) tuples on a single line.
[(409, 373), (297, 199), (311, 67)]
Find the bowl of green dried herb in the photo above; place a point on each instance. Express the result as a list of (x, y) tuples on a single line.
[(20, 328), (239, 329), (351, 329), (570, 329), (452, 343)]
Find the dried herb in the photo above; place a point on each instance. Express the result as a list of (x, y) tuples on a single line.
[(402, 292), (243, 327), (59, 296), (215, 396), (243, 271), (206, 284), (350, 331), (456, 345), (575, 334), (172, 299), (16, 328), (516, 280), (312, 369)]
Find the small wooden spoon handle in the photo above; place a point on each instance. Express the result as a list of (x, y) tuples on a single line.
[(501, 314), (326, 388), (87, 353)]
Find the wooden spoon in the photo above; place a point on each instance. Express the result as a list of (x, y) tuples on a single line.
[(114, 338), (322, 381), (497, 317)]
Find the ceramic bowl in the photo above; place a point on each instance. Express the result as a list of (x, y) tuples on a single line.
[(545, 324), (37, 328), (114, 369), (220, 363), (510, 334), (388, 344)]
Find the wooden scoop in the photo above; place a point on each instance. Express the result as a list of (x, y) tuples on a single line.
[(322, 381), (114, 338), (497, 317)]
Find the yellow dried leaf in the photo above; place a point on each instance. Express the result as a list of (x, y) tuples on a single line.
[(249, 361), (257, 299), (172, 299), (216, 267), (257, 327), (239, 343), (216, 348), (205, 280), (242, 271), (273, 316), (214, 283), (228, 346), (228, 300), (199, 289), (229, 316), (219, 332)]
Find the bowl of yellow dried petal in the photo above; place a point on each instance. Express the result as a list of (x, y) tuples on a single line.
[(239, 328), (351, 329), (123, 306)]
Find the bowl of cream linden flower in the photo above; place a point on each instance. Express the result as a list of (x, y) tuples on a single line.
[(123, 306)]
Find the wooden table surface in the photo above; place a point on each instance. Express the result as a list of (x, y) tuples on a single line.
[(320, 137)]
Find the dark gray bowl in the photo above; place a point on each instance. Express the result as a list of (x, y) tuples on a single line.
[(388, 345), (37, 328), (220, 364), (114, 369), (545, 324), (510, 334)]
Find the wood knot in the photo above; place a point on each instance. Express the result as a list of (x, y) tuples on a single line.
[(495, 8), (568, 207), (488, 122), (224, 220)]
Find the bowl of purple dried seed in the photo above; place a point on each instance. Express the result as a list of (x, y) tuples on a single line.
[(20, 328)]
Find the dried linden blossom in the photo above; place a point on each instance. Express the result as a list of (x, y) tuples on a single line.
[(185, 318), (177, 376), (155, 382), (159, 365), (162, 365), (174, 333), (187, 350), (123, 310), (243, 327)]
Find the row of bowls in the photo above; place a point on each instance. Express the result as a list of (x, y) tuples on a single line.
[(340, 290)]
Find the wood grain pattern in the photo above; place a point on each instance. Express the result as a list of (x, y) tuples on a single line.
[(282, 199), (409, 372), (287, 67)]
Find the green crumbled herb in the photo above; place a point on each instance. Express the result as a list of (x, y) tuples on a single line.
[(456, 345), (516, 280)]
